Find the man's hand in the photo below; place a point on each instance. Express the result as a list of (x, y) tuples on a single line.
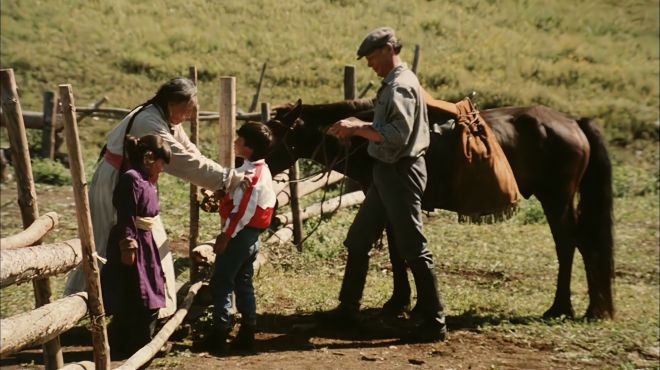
[(343, 129), (221, 243)]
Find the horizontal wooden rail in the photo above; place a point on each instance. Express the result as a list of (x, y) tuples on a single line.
[(32, 234), (148, 351), (328, 206), (25, 264), (306, 187), (41, 324), (34, 120)]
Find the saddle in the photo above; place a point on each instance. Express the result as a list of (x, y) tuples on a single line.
[(480, 185)]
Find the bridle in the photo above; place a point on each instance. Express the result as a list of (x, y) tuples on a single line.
[(324, 172)]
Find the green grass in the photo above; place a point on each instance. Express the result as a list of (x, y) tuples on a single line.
[(597, 59)]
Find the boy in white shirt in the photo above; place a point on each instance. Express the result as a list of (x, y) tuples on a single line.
[(246, 213)]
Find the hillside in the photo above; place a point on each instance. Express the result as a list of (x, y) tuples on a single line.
[(596, 58)]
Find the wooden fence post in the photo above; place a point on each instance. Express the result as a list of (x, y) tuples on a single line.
[(48, 135), (265, 112), (295, 206), (194, 203), (349, 82), (227, 121), (80, 187), (255, 98), (416, 59), (27, 194), (349, 94)]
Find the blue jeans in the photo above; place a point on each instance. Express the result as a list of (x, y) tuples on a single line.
[(233, 273)]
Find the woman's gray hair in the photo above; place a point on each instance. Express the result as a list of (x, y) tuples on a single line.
[(178, 89)]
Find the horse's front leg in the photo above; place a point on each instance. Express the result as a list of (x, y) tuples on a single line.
[(561, 218), (400, 300)]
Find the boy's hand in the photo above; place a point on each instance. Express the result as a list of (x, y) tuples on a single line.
[(211, 200), (221, 243)]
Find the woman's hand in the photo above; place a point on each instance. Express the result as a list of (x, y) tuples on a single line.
[(221, 243), (239, 180), (128, 248)]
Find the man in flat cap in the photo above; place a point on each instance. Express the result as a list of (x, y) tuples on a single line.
[(398, 138)]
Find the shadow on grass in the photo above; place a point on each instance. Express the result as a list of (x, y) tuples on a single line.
[(304, 331), (297, 332)]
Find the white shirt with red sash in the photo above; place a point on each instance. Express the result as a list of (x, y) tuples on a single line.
[(253, 206)]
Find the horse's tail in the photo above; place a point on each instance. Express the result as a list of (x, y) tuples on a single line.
[(595, 224)]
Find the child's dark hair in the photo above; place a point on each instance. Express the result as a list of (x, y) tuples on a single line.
[(258, 137), (136, 148)]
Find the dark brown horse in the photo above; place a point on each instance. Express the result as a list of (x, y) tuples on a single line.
[(553, 157)]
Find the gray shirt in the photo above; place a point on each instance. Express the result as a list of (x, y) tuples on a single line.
[(400, 117)]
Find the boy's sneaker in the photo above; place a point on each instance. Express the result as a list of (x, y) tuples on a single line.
[(216, 342)]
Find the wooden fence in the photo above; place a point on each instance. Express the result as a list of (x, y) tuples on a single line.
[(24, 258)]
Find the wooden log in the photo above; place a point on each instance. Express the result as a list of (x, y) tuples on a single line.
[(90, 267), (227, 121), (34, 120), (307, 187), (48, 133), (24, 264), (281, 236), (41, 324), (296, 221), (328, 207), (150, 349), (94, 107), (193, 229), (32, 234), (27, 195), (80, 365)]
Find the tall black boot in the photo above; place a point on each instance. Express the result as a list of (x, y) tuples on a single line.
[(355, 276), (429, 311)]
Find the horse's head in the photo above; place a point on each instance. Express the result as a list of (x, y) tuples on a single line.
[(285, 126), (300, 131)]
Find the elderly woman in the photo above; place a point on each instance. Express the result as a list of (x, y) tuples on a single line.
[(161, 115)]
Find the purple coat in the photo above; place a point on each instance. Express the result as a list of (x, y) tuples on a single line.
[(144, 282)]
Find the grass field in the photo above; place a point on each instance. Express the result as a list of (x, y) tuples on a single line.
[(597, 59)]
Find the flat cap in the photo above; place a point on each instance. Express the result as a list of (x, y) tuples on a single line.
[(375, 39)]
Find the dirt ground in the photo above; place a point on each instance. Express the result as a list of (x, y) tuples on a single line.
[(299, 342), (294, 342)]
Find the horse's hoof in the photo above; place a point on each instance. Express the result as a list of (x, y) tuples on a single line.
[(556, 312), (598, 314)]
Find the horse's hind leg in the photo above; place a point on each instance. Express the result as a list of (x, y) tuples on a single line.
[(560, 213)]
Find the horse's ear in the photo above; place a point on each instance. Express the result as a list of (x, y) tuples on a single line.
[(294, 113)]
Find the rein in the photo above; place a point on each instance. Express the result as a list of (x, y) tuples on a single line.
[(329, 165)]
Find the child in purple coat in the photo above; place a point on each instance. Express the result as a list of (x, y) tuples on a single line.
[(133, 282)]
